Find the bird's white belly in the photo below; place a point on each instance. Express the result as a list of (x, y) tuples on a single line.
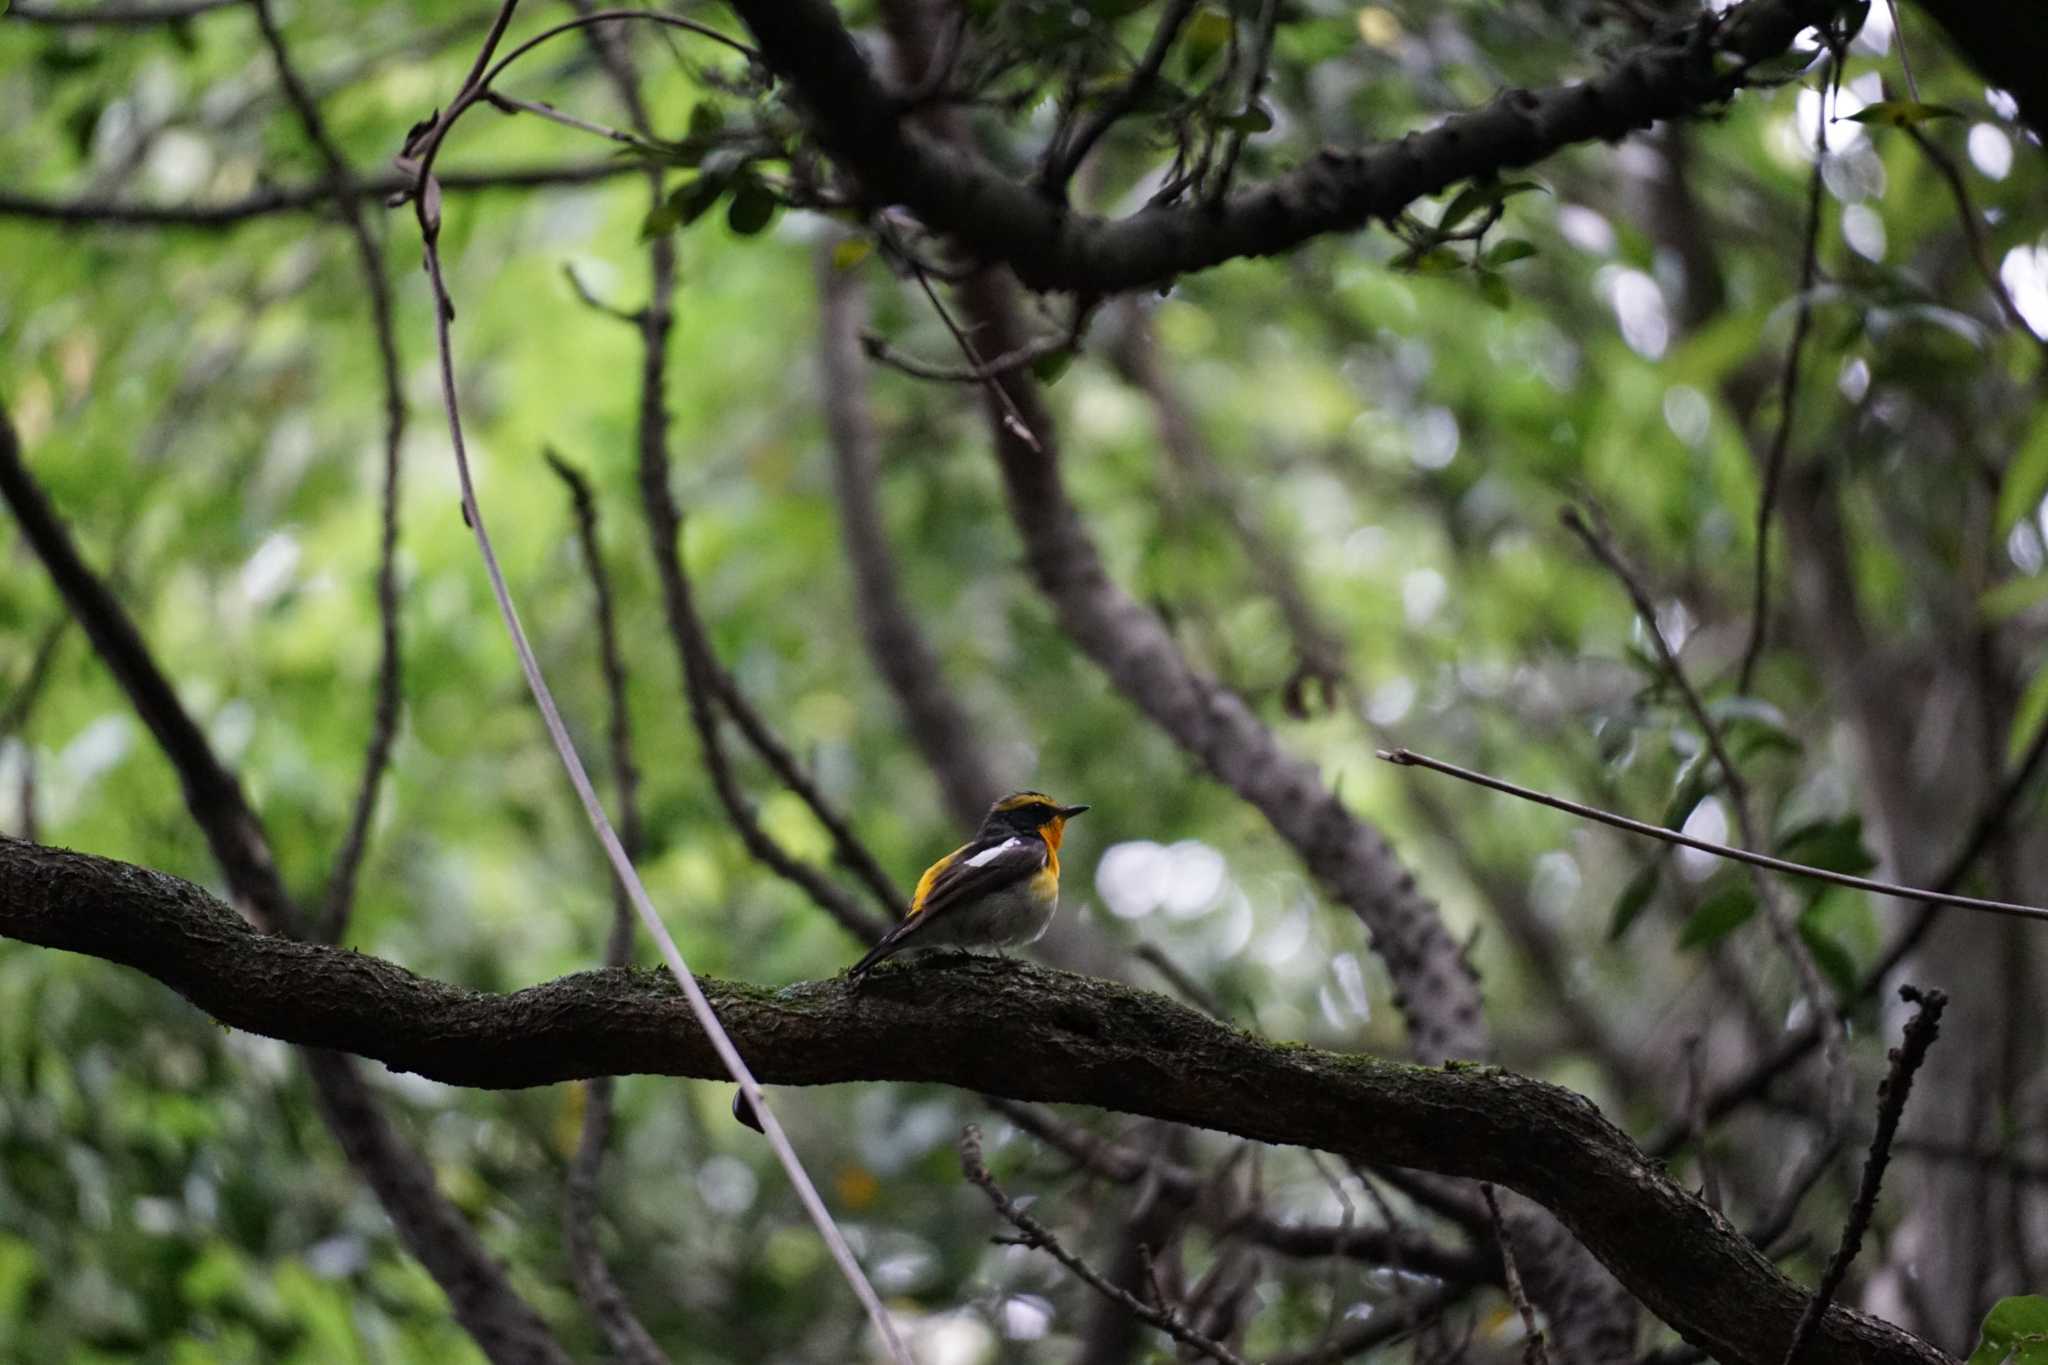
[(1016, 914)]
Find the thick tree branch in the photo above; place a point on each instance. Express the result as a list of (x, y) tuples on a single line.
[(1017, 1030), (1687, 72)]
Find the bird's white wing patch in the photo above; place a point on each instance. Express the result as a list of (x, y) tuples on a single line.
[(989, 855)]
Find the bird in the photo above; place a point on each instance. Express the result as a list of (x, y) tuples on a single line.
[(997, 890)]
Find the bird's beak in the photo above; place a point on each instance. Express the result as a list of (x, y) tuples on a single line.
[(1069, 812)]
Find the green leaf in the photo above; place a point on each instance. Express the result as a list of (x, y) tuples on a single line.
[(1207, 34), (2012, 597), (1508, 251), (2028, 716), (1834, 961), (1751, 726), (1436, 261), (2025, 481), (1719, 915), (2014, 1326), (1048, 368), (1494, 289), (1256, 119), (1832, 845), (851, 253), (706, 119), (1689, 786), (1633, 900), (1900, 113), (659, 222), (753, 207), (1473, 198), (690, 200)]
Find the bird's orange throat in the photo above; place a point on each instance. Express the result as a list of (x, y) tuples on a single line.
[(1051, 831)]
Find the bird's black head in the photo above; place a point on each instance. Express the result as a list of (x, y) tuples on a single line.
[(1029, 813)]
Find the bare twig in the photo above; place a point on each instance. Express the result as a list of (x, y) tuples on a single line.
[(24, 691), (879, 350), (211, 792), (508, 104), (1696, 1122), (847, 846), (482, 1299), (14, 716), (592, 301), (1899, 40), (1262, 59), (1986, 827), (896, 643), (702, 676), (1921, 1030), (1319, 652), (262, 203), (1040, 1238), (1062, 161), (111, 15), (1409, 758), (1973, 233), (1783, 923), (707, 686), (1379, 1329), (1774, 462), (1388, 1246), (341, 180), (426, 206), (1534, 1350), (424, 144), (1012, 418), (595, 1284)]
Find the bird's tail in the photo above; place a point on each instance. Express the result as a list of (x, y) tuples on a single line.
[(892, 942)]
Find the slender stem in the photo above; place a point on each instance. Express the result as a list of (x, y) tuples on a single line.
[(1408, 758), (1013, 419), (1973, 233), (342, 879), (623, 1330), (1535, 1350), (113, 15), (1783, 922), (1905, 62), (1891, 1105), (428, 141), (510, 104), (1040, 1238), (426, 209), (1774, 463), (1061, 166)]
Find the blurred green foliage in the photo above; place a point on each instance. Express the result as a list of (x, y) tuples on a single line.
[(202, 407)]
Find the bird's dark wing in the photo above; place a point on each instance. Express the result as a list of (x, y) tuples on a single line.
[(975, 870), (961, 877)]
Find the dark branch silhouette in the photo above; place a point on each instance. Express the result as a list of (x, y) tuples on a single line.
[(1690, 71), (504, 1325), (986, 1025)]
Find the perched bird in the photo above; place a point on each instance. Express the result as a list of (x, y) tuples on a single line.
[(999, 890)]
